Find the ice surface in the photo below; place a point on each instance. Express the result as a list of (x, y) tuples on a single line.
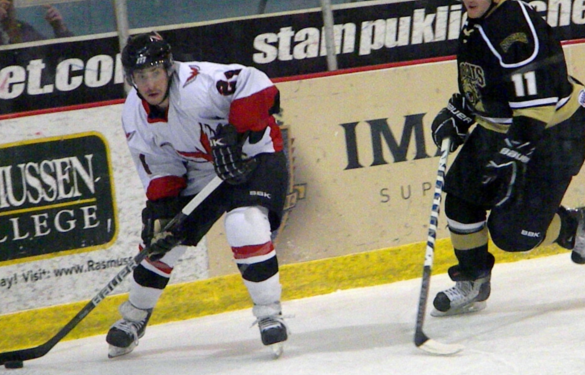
[(534, 324)]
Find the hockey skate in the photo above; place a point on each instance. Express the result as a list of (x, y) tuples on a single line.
[(578, 253), (273, 329), (123, 336), (467, 296), (572, 236)]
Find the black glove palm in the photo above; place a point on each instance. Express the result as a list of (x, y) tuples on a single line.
[(507, 168), (453, 122), (155, 216), (228, 159), (162, 243)]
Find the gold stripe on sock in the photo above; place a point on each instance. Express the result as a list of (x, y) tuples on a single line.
[(470, 240)]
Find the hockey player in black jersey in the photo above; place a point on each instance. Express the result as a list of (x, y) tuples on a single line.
[(515, 166)]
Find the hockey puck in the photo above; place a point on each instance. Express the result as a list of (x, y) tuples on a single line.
[(14, 364)]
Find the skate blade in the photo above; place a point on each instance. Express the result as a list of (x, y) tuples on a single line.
[(467, 309), (277, 349), (114, 351)]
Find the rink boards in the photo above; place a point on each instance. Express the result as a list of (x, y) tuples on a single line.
[(364, 168)]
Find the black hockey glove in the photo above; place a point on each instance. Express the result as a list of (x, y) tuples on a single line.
[(507, 169), (162, 243), (228, 158), (155, 216), (453, 122)]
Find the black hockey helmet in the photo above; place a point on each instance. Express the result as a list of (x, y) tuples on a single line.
[(146, 50)]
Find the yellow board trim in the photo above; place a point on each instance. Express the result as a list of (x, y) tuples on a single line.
[(227, 293)]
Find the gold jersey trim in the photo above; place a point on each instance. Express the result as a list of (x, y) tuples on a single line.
[(548, 114)]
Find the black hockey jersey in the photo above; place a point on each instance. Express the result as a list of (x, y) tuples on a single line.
[(511, 65)]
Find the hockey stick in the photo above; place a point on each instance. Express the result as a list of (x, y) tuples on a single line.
[(421, 340), (41, 350)]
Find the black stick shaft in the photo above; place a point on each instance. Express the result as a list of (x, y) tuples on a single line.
[(41, 350), (419, 336)]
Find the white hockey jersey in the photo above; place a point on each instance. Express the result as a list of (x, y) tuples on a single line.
[(172, 150)]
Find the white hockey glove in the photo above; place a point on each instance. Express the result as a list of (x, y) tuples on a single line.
[(228, 158), (506, 170), (453, 122)]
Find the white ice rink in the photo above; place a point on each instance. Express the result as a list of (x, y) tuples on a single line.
[(534, 325)]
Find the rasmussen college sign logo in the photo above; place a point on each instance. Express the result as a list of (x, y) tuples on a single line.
[(56, 194)]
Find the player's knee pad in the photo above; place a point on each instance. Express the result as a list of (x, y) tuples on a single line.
[(157, 274), (145, 276), (257, 270), (247, 226), (169, 260), (248, 233), (511, 238)]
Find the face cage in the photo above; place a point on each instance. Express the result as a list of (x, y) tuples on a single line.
[(166, 63)]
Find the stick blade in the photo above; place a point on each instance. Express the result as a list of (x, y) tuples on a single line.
[(439, 348)]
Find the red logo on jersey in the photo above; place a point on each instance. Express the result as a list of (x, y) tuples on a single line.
[(204, 154), (194, 73)]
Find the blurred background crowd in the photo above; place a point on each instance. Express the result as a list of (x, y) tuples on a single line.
[(30, 20)]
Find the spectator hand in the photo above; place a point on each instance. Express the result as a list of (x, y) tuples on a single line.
[(54, 18), (506, 171), (4, 6), (453, 122)]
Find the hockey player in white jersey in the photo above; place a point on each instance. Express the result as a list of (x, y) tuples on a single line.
[(185, 123)]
